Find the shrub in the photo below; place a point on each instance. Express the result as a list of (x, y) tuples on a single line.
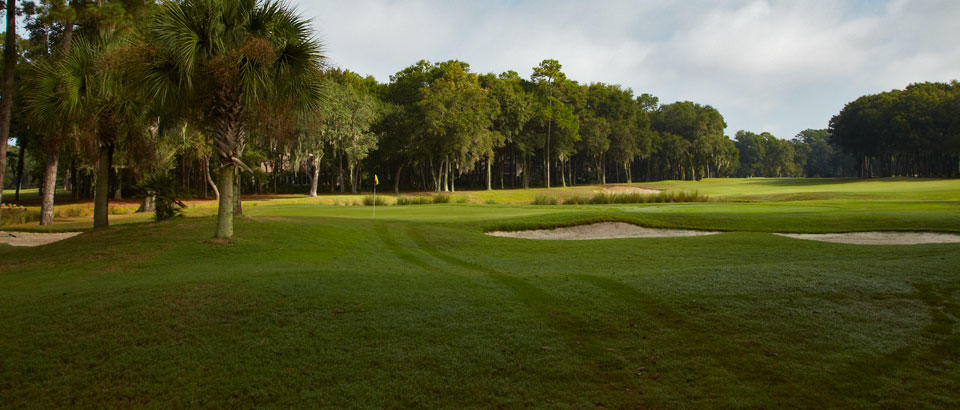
[(15, 215), (120, 210), (71, 211), (545, 200), (370, 200), (441, 199), (632, 198), (490, 201), (413, 200), (463, 200), (164, 187), (576, 200)]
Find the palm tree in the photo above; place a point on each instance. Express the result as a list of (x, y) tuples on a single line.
[(217, 59), (87, 93)]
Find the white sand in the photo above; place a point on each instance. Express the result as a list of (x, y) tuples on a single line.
[(618, 189), (879, 238), (603, 230), (33, 238)]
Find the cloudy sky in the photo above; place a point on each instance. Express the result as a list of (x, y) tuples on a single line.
[(777, 66)]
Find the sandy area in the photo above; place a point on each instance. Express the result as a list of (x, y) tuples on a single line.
[(879, 238), (33, 238), (603, 230), (617, 189)]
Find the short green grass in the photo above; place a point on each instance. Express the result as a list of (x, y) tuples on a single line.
[(324, 306)]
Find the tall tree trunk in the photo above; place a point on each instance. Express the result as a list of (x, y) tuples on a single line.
[(237, 194), (503, 170), (206, 174), (526, 173), (49, 188), (353, 183), (229, 139), (6, 103), (600, 170), (20, 162), (225, 207), (118, 194), (435, 176), (396, 181), (340, 173), (490, 172), (546, 155), (101, 195), (445, 169), (603, 168), (563, 175), (314, 175)]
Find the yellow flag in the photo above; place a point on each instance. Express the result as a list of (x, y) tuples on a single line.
[(375, 180)]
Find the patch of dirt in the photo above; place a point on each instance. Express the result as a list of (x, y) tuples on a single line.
[(620, 189), (603, 230), (879, 238), (33, 238)]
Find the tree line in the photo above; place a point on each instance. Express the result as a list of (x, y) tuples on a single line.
[(912, 132), (210, 98)]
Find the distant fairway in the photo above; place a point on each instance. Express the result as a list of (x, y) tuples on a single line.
[(314, 303)]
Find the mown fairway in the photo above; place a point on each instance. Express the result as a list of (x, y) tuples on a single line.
[(324, 305)]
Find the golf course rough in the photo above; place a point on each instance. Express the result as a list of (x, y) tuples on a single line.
[(315, 305)]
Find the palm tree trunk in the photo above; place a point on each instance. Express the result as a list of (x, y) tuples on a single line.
[(225, 208), (6, 103), (237, 194), (49, 189), (101, 195)]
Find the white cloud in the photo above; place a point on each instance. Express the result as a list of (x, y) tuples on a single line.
[(778, 66)]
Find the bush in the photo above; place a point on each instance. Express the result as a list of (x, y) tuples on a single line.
[(545, 200), (463, 200), (630, 198), (490, 201), (164, 187), (15, 215), (636, 198), (120, 210), (576, 200), (417, 200), (369, 200), (71, 211), (441, 199)]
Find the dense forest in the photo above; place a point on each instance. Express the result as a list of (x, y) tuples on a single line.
[(914, 131), (200, 98)]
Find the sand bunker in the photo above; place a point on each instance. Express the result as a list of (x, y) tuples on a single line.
[(33, 238), (603, 230), (879, 238), (617, 189)]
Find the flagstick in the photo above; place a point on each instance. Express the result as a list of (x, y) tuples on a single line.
[(374, 200)]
